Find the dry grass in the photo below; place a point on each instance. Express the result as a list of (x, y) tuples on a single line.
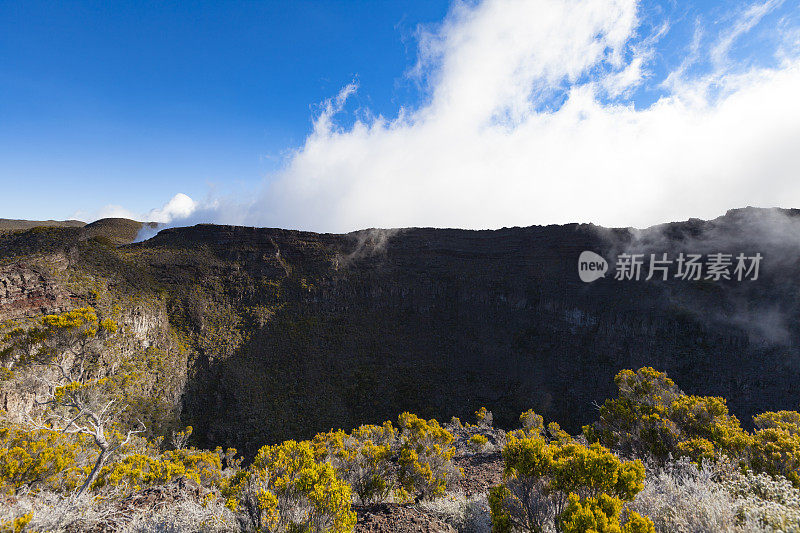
[(55, 513), (185, 516), (682, 498), (465, 514)]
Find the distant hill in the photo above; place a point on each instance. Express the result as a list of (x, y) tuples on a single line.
[(116, 230), (8, 224)]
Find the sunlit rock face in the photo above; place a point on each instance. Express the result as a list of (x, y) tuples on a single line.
[(27, 292)]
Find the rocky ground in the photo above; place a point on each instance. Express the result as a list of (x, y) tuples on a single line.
[(390, 518), (481, 471)]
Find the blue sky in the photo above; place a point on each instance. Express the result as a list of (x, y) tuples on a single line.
[(131, 102), (334, 115)]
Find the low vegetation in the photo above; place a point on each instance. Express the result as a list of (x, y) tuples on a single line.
[(657, 459)]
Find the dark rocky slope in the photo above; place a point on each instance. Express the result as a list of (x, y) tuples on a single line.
[(291, 333)]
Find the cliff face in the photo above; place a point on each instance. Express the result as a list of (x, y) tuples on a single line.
[(25, 291), (290, 333), (51, 269)]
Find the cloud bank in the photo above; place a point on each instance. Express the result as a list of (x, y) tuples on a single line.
[(179, 208), (532, 113)]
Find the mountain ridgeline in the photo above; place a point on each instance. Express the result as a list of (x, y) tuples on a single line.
[(270, 334)]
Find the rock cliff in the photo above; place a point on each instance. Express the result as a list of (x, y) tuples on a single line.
[(288, 333)]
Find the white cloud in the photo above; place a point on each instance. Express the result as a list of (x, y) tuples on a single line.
[(490, 148), (179, 207), (746, 22), (112, 211)]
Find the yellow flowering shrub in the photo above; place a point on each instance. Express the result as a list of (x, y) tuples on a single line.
[(83, 320), (484, 417), (697, 449), (35, 459), (411, 461), (707, 417), (17, 525), (286, 489), (775, 445), (501, 503), (85, 392), (593, 470), (363, 459), (776, 451), (383, 435), (80, 332), (637, 523), (109, 325), (20, 345), (139, 470), (786, 420), (600, 515), (555, 433), (425, 457), (652, 416), (637, 419), (573, 467), (477, 442), (180, 438), (533, 426), (542, 479), (532, 423)]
